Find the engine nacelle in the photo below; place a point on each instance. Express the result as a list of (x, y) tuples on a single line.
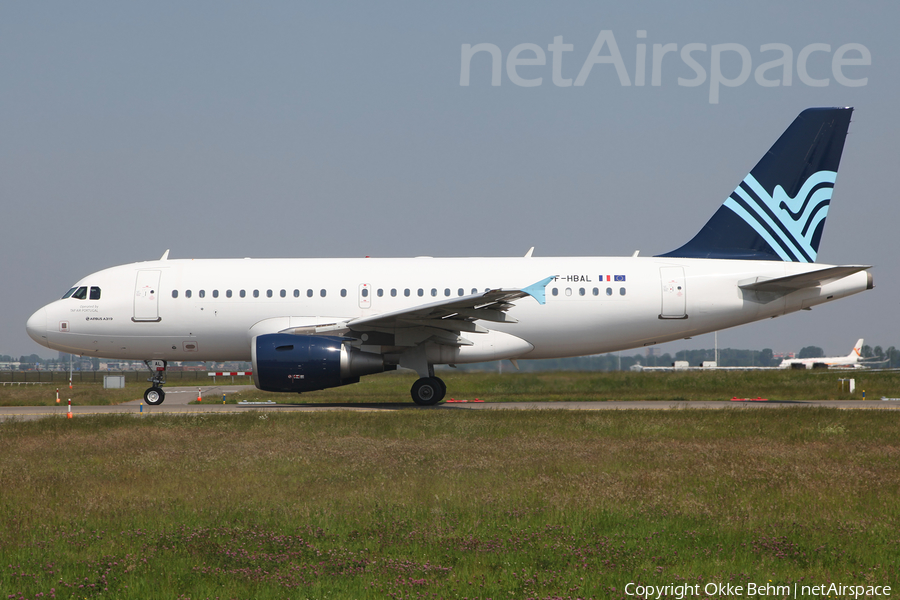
[(284, 362)]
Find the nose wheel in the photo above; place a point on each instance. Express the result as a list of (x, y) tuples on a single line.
[(428, 391), (155, 395)]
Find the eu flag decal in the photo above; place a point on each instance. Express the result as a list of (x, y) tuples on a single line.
[(620, 278)]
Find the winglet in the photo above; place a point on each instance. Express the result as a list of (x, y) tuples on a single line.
[(165, 255), (538, 290)]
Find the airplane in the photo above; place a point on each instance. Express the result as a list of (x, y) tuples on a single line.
[(853, 360), (311, 324)]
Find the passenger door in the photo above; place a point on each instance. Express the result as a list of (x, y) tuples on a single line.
[(146, 297), (674, 293)]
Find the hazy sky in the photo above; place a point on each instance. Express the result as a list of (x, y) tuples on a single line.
[(293, 129)]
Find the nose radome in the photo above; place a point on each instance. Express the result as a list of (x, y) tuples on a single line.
[(37, 327)]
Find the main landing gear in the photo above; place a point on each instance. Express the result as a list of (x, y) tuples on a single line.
[(155, 395), (428, 391)]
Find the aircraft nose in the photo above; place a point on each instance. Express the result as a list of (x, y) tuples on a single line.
[(37, 326)]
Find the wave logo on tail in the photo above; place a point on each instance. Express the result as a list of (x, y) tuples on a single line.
[(787, 224)]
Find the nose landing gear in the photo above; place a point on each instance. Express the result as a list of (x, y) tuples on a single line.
[(155, 395)]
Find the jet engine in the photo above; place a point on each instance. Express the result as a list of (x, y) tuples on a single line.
[(283, 362)]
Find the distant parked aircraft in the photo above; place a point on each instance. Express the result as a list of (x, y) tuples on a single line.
[(852, 360)]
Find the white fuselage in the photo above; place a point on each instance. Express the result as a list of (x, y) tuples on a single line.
[(595, 304)]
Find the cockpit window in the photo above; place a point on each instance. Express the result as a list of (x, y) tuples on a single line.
[(80, 293), (95, 293), (69, 293)]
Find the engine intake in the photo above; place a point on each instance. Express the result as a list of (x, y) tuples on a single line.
[(302, 363)]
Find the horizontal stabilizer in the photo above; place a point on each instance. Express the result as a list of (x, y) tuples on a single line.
[(790, 283)]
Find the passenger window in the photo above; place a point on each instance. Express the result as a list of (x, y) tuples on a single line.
[(446, 291), (187, 293), (380, 292), (95, 293), (596, 292), (365, 292), (174, 293), (609, 291), (243, 293), (215, 293), (621, 291), (568, 291), (434, 292), (268, 293), (406, 292), (474, 291), (256, 293), (202, 293), (581, 291), (555, 292), (228, 293), (460, 291), (322, 293), (393, 292), (80, 294), (296, 293), (343, 293), (421, 292), (69, 293), (283, 293), (309, 293)]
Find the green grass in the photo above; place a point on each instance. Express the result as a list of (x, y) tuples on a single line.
[(521, 387), (445, 504), (81, 394), (86, 394), (603, 386)]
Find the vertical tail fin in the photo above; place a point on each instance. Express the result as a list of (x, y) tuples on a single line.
[(778, 211), (856, 353)]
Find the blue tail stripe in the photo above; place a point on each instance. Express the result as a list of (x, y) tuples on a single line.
[(773, 203), (742, 213), (812, 217), (815, 192), (763, 212)]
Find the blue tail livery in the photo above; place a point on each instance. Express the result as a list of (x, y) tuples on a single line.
[(778, 211)]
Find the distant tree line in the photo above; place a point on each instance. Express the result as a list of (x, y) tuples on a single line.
[(728, 357)]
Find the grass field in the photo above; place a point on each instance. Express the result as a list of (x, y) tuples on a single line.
[(446, 504), (522, 387), (602, 386)]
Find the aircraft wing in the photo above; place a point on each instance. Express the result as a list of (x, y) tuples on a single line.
[(442, 321), (790, 283), (445, 320)]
